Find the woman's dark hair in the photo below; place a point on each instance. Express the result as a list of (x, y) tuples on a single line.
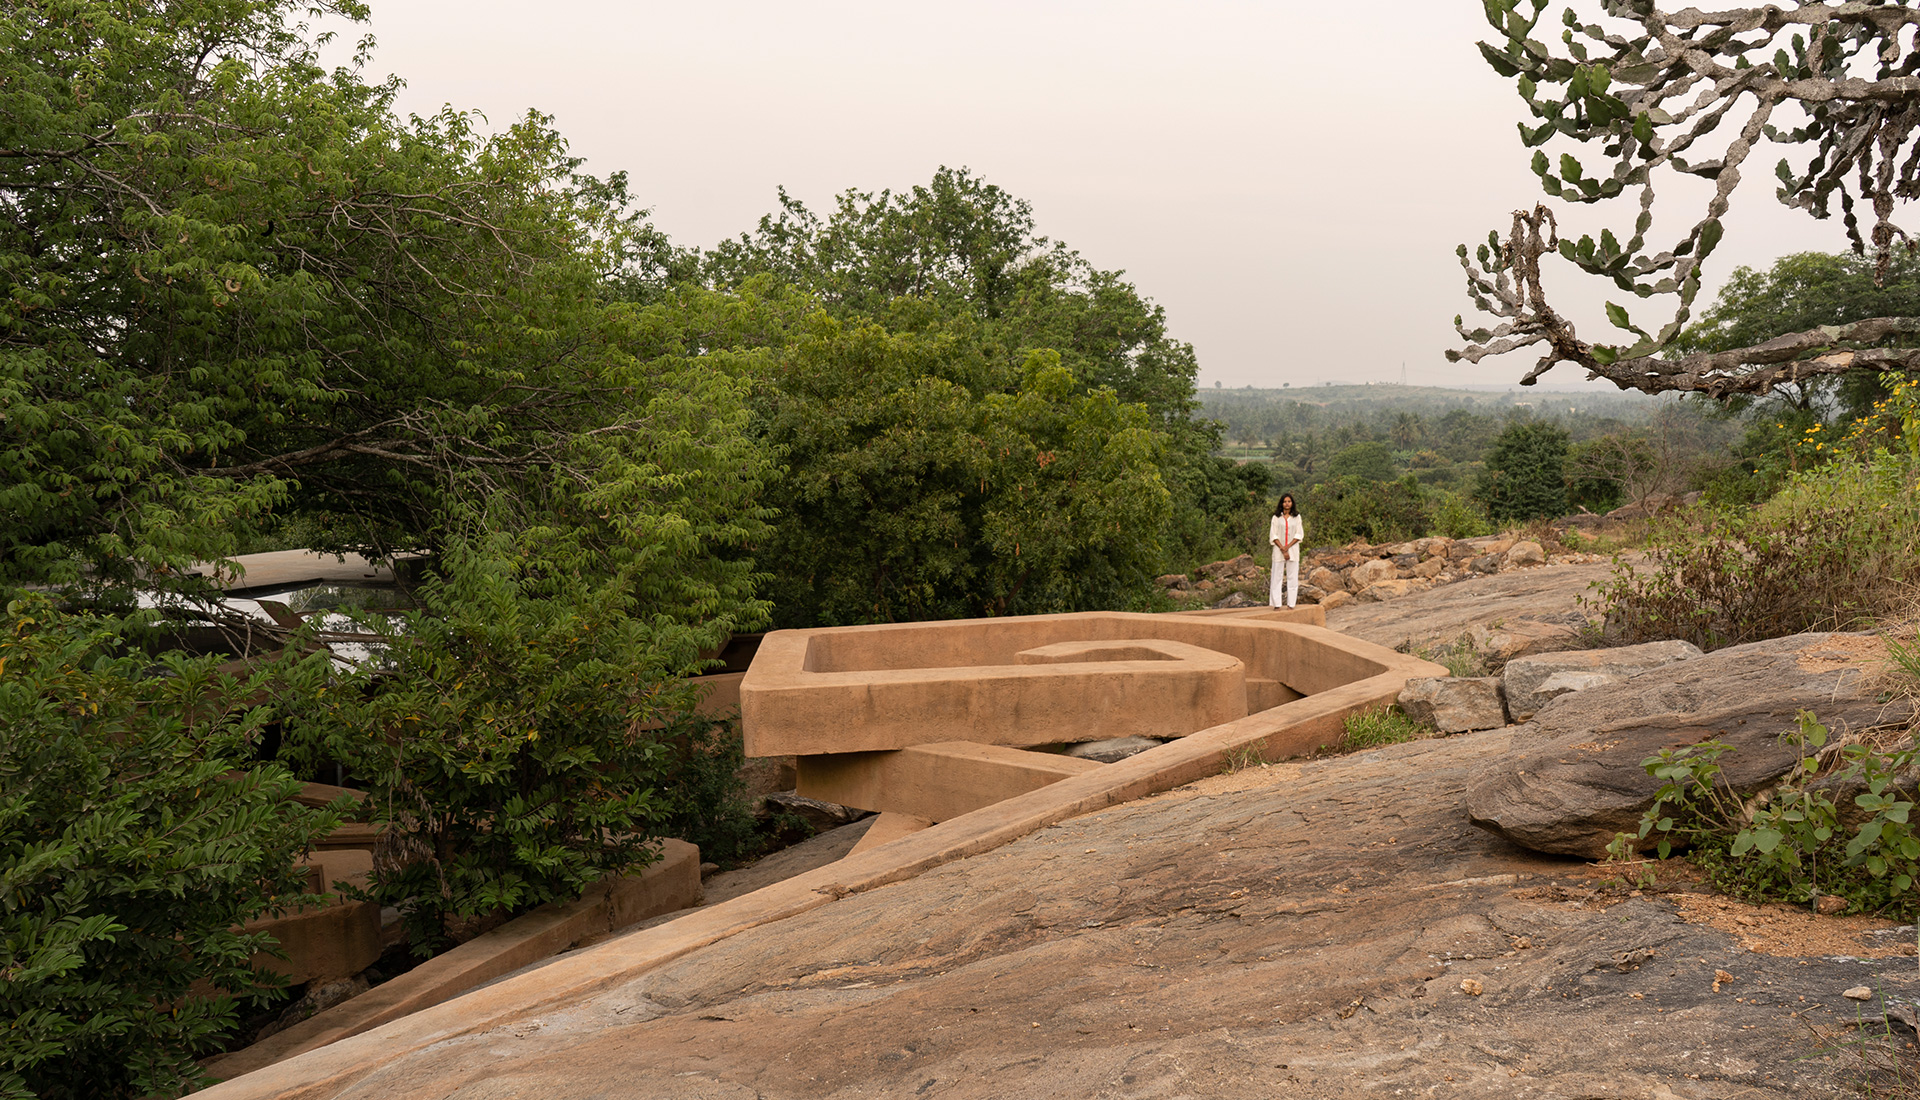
[(1284, 497)]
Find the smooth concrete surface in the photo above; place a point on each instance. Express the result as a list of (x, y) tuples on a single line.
[(937, 782), (1293, 728), (890, 827), (867, 688), (294, 568), (719, 694), (321, 942), (670, 883)]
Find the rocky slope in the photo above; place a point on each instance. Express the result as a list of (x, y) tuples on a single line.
[(1332, 928), (1325, 928)]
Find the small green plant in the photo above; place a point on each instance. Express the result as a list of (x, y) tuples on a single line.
[(1378, 726), (1787, 843), (1243, 758), (1458, 656)]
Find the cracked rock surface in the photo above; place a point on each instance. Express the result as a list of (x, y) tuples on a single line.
[(1325, 929)]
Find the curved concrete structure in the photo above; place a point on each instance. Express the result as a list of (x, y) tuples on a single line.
[(1330, 674), (1029, 680)]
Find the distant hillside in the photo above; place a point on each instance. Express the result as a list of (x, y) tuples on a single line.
[(1363, 402)]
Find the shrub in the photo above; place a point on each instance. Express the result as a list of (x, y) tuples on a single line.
[(1839, 546), (1377, 511), (517, 743), (1379, 726), (1457, 517), (136, 835), (1788, 843)]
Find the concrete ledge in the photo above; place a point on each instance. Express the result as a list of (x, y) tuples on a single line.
[(669, 884), (868, 688), (937, 782), (888, 828), (1295, 727)]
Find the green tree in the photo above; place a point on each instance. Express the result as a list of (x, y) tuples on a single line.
[(1373, 511), (1801, 291), (1629, 93), (247, 299), (901, 328), (963, 246), (926, 480), (1525, 475), (137, 835), (1368, 461)]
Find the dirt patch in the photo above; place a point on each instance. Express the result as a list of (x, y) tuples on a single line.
[(1790, 930), (1841, 650)]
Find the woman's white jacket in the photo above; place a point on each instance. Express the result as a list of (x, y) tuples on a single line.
[(1294, 530)]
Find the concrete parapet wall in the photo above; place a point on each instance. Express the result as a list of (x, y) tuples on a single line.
[(668, 884), (937, 782), (1014, 681), (1293, 727)]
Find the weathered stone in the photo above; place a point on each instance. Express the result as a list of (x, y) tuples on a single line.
[(1176, 581), (1242, 566), (1527, 635), (1454, 704), (1309, 593), (1560, 683), (1573, 779), (1380, 591), (1323, 578), (1237, 599), (1367, 572), (1335, 599), (1525, 553), (820, 815), (1400, 548), (1435, 547), (1526, 678), (1430, 568), (1404, 562), (1118, 748), (1486, 563)]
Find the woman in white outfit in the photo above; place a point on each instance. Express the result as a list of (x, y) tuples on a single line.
[(1286, 531)]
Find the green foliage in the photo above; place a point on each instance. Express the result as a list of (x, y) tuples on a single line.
[(249, 300), (1839, 546), (1375, 511), (516, 741), (1378, 726), (1369, 461), (136, 835), (961, 247), (1457, 517), (974, 420), (1525, 473), (1801, 291), (928, 480), (706, 806), (243, 290), (1788, 843)]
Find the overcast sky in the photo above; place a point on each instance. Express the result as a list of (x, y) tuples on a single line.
[(1288, 179)]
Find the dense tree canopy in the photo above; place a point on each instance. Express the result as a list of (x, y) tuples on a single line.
[(242, 290), (1831, 84)]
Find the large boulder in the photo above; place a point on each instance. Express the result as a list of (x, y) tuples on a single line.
[(1531, 682), (1573, 778), (1524, 635), (1379, 591), (1454, 704), (1368, 572), (1525, 552), (1325, 579)]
